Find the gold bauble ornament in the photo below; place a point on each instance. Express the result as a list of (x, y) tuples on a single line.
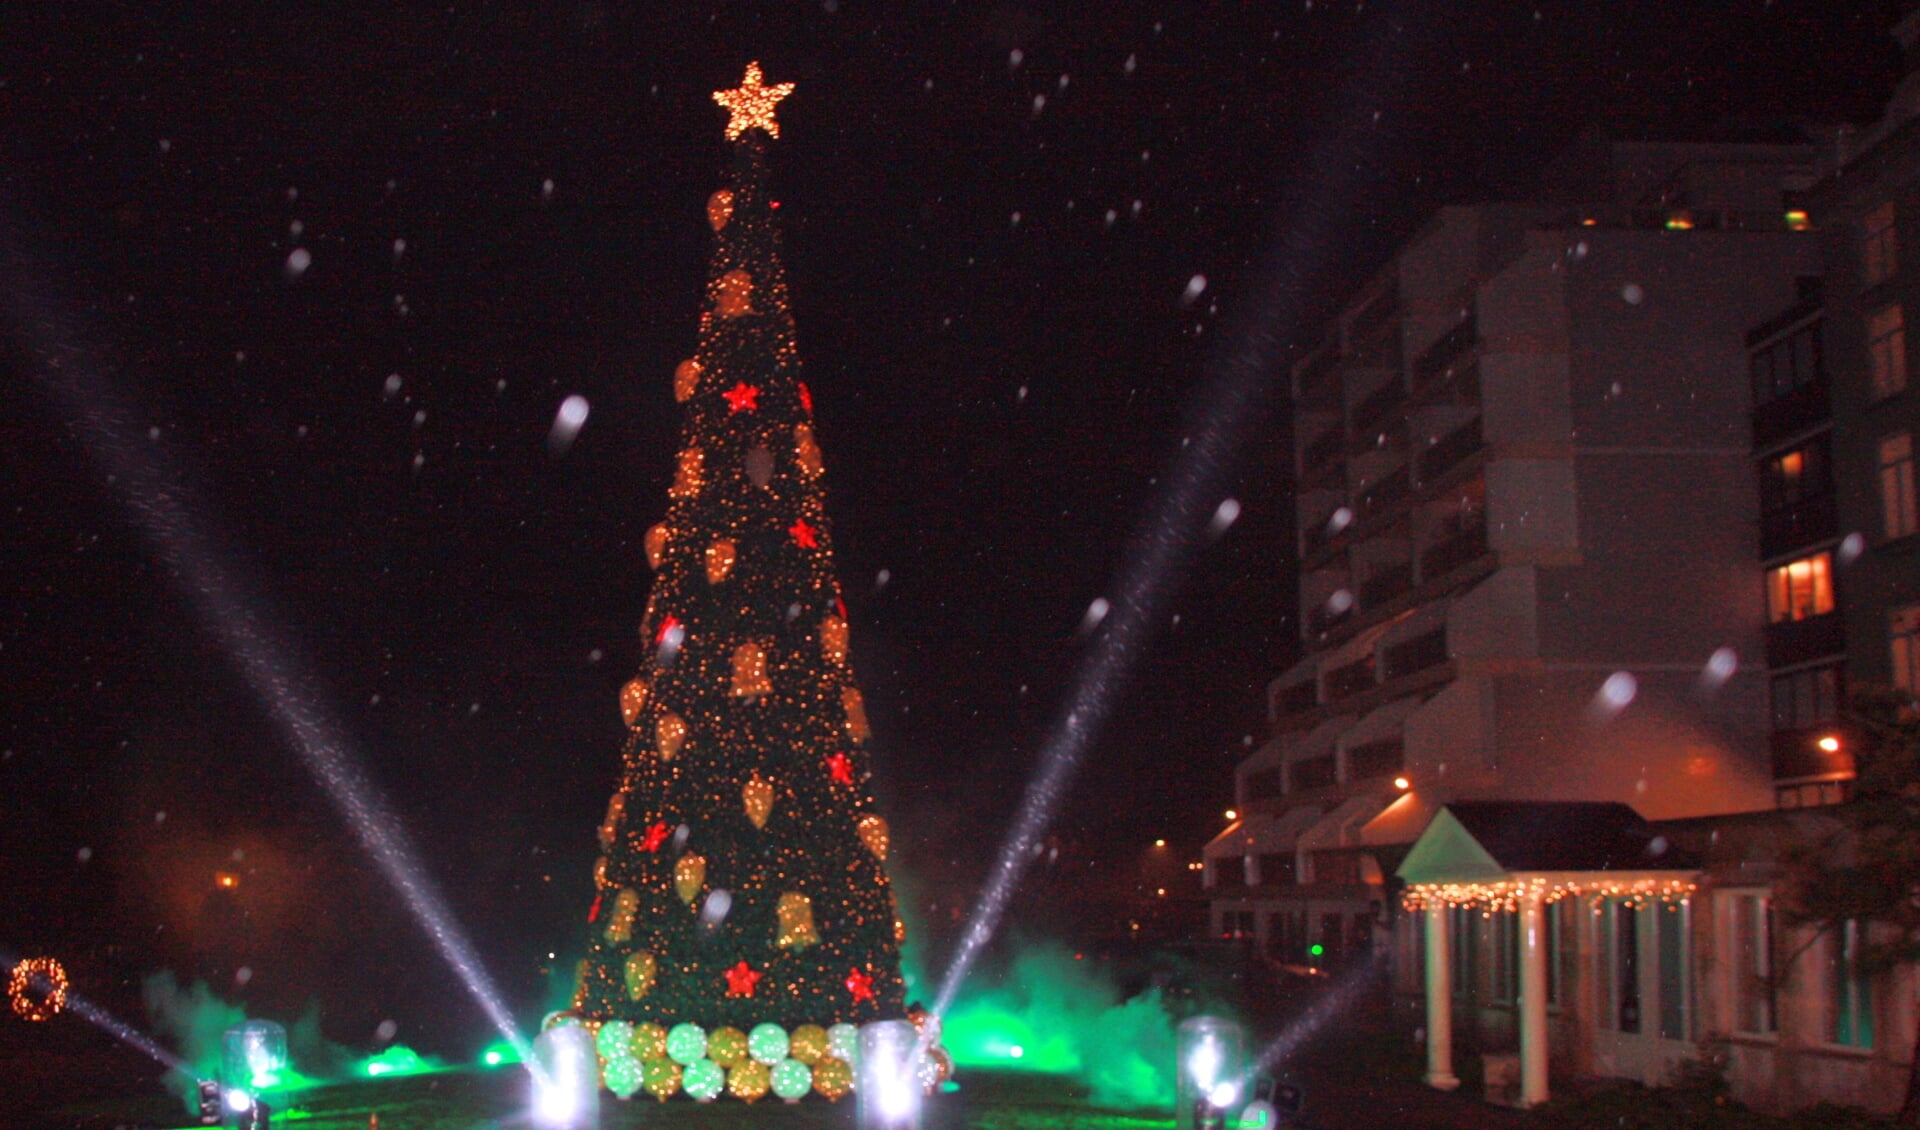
[(689, 475), (686, 380), (633, 699), (733, 294), (669, 734), (806, 452), (856, 708), (749, 1080), (833, 640), (750, 671), (873, 833), (649, 1042), (726, 1046), (616, 808), (720, 557), (626, 904), (688, 875), (807, 1043), (720, 208), (796, 921), (655, 543), (832, 1078), (640, 971), (660, 1077), (757, 796)]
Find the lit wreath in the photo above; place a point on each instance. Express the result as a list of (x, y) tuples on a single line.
[(21, 984)]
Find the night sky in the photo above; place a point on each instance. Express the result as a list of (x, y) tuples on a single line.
[(994, 214)]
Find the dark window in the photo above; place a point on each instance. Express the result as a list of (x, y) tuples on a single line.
[(1788, 363), (1276, 869), (1262, 784), (1803, 700), (1313, 773)]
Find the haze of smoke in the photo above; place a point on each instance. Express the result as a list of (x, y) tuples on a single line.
[(195, 1018)]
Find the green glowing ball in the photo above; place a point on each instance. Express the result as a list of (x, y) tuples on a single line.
[(727, 1046), (792, 1079), (704, 1080), (623, 1075), (615, 1040), (661, 1078), (1316, 949), (767, 1043), (843, 1043), (832, 1077), (686, 1043)]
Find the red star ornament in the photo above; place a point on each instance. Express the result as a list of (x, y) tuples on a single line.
[(806, 398), (860, 985), (655, 836), (742, 397), (741, 979), (841, 769), (805, 536)]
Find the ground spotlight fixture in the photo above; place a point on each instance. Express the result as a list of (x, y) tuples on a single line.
[(1211, 1072), (209, 1093), (566, 1092), (888, 1090)]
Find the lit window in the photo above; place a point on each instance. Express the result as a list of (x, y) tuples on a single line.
[(1850, 1013), (1903, 633), (1806, 700), (1896, 485), (1887, 351), (1793, 477), (1800, 590), (1881, 250)]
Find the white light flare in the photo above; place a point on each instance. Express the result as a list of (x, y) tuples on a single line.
[(1096, 612), (1224, 516), (567, 423), (1720, 667), (1615, 694)]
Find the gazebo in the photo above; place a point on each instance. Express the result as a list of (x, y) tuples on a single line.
[(1519, 856)]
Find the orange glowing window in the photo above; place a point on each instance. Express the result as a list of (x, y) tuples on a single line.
[(226, 880), (1800, 589)]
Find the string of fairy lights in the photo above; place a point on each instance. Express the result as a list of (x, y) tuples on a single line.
[(1508, 895)]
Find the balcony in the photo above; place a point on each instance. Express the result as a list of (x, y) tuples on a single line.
[(1451, 450), (1797, 756), (1350, 680), (1800, 641), (1444, 557), (1313, 773), (1296, 699), (1428, 649), (1803, 408), (1437, 361), (1386, 584), (1324, 450), (1323, 619), (1377, 496), (1806, 522), (1376, 759), (1370, 413)]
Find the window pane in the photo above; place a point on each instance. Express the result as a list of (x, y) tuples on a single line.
[(1800, 589), (1903, 630), (1626, 966), (1674, 972), (1896, 484), (1852, 996), (1887, 350)]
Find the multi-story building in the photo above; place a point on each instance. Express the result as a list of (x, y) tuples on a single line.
[(1525, 491)]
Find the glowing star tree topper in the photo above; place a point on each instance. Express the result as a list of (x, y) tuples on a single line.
[(740, 889)]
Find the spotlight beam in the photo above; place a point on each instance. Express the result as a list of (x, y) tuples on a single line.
[(1235, 387), (75, 373)]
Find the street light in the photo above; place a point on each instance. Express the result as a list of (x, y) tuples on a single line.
[(1830, 744), (1232, 815), (1402, 784)]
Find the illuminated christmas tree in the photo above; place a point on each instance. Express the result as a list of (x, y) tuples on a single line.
[(743, 880)]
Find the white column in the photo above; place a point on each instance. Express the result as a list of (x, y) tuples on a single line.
[(1533, 998), (1439, 1000)]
